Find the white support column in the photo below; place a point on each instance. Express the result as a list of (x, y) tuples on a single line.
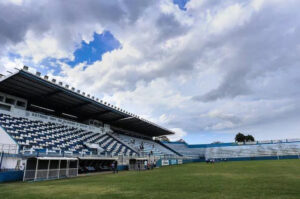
[(25, 168), (48, 169), (58, 169), (36, 169), (67, 168), (77, 166)]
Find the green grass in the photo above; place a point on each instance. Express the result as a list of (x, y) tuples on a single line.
[(252, 179)]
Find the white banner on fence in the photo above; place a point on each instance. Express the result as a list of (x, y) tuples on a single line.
[(164, 162)]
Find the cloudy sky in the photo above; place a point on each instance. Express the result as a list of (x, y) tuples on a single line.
[(206, 69)]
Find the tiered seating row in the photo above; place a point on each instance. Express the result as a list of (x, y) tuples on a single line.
[(238, 151), (113, 146), (148, 145), (279, 149), (183, 149), (39, 135)]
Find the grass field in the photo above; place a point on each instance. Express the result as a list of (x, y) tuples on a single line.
[(253, 179)]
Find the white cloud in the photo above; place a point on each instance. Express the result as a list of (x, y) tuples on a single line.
[(233, 16), (41, 47), (179, 134)]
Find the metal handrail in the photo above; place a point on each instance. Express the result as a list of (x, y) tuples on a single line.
[(9, 148)]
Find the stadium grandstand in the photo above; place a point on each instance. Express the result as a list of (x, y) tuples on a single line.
[(51, 130), (269, 149)]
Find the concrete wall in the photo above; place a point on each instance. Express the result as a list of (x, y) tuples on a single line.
[(5, 138), (7, 143), (10, 163)]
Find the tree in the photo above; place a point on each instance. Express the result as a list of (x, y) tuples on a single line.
[(249, 138), (240, 137)]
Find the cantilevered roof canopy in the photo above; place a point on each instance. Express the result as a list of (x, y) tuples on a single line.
[(47, 94)]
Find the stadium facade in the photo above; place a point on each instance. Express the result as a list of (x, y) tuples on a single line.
[(50, 130)]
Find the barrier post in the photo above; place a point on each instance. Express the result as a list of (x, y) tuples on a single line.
[(77, 166), (36, 169), (58, 168), (25, 169), (67, 168), (48, 169), (1, 159)]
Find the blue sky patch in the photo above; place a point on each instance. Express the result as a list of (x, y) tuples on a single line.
[(93, 51), (180, 3), (87, 52), (14, 56), (49, 64)]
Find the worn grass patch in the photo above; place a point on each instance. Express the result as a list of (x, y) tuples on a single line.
[(278, 179)]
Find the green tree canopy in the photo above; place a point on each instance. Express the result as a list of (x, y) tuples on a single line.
[(240, 137), (249, 138)]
